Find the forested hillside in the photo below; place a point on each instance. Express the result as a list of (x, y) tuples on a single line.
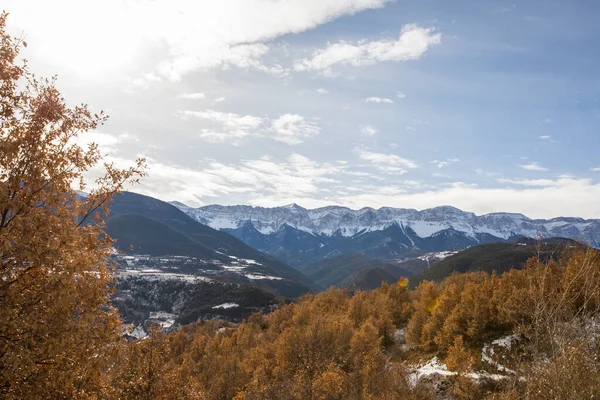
[(336, 270), (498, 257), (473, 336)]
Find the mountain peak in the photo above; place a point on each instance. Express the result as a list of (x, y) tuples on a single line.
[(294, 206), (179, 204)]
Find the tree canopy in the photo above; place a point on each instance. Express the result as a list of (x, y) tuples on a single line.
[(55, 309)]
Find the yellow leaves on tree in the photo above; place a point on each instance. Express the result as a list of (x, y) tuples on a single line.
[(56, 319)]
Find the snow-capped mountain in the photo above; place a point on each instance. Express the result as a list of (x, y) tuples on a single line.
[(300, 235)]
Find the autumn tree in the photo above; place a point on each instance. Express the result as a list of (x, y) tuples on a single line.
[(56, 320), (425, 302)]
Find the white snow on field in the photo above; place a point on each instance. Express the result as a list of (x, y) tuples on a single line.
[(507, 341), (162, 276), (227, 305), (485, 375), (243, 260), (436, 367), (488, 351), (149, 270), (164, 319), (433, 366), (439, 255), (233, 268), (256, 276), (139, 332), (426, 229), (161, 315), (250, 262)]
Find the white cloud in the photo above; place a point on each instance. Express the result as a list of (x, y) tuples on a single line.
[(244, 56), (378, 100), (144, 81), (529, 182), (196, 34), (192, 96), (268, 182), (107, 143), (564, 197), (322, 91), (413, 42), (389, 163), (446, 162), (595, 169), (548, 138), (233, 137), (400, 95), (483, 172), (228, 120), (533, 166), (229, 127), (547, 121), (292, 128), (219, 100), (261, 181), (368, 130)]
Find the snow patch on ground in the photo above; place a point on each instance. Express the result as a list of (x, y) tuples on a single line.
[(162, 276), (234, 268), (164, 319), (439, 255), (250, 262), (425, 229), (433, 366), (505, 343), (256, 276), (227, 305), (139, 332), (189, 269), (436, 367)]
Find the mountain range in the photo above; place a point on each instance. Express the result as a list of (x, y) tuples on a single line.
[(300, 236), (149, 229)]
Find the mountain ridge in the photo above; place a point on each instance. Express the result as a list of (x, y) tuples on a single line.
[(331, 220), (299, 236)]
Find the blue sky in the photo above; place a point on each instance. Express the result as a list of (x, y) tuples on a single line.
[(484, 105)]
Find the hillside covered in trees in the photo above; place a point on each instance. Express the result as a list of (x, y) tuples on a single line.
[(473, 335), (497, 257)]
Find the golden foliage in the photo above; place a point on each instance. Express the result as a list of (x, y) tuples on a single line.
[(55, 319), (458, 358), (328, 346)]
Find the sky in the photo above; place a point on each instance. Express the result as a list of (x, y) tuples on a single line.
[(484, 105)]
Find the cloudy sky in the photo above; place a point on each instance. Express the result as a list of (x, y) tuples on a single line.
[(484, 105)]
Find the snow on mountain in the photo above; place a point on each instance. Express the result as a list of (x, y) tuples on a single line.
[(334, 220)]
